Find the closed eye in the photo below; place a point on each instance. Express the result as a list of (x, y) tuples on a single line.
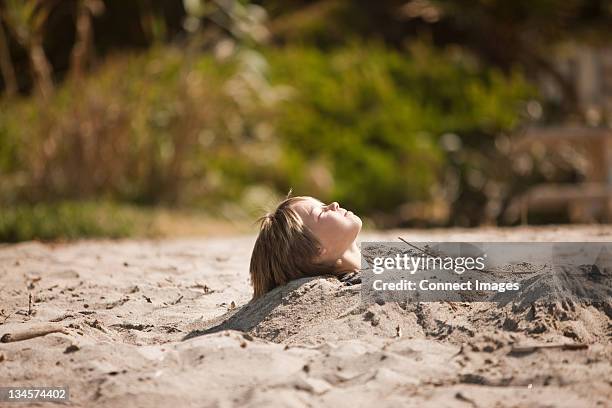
[(321, 210)]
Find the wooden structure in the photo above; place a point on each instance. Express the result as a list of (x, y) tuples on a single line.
[(590, 71), (589, 201)]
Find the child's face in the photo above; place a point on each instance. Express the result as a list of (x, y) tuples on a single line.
[(335, 228)]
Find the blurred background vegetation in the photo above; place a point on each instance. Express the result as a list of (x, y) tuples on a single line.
[(115, 114)]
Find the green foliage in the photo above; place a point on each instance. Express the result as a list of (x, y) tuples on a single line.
[(69, 220), (129, 132), (374, 117), (360, 125)]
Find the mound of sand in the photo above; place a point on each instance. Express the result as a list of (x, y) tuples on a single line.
[(314, 311)]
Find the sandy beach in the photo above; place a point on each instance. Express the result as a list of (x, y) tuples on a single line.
[(161, 323)]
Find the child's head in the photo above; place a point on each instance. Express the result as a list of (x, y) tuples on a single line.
[(302, 237)]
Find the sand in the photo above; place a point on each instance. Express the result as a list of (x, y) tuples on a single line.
[(169, 323)]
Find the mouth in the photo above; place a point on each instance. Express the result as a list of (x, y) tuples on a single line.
[(346, 212)]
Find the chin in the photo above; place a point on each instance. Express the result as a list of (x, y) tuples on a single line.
[(357, 226)]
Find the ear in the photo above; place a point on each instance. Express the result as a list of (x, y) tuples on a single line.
[(321, 253)]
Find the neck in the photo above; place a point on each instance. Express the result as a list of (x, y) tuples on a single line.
[(351, 259)]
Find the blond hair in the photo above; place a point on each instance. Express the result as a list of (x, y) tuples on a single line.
[(285, 249)]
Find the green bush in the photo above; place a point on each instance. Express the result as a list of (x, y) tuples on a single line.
[(374, 116)]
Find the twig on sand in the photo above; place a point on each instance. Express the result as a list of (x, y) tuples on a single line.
[(62, 317), (6, 316), (207, 290), (415, 247), (531, 349), (463, 398), (177, 301), (133, 326), (30, 304), (30, 333)]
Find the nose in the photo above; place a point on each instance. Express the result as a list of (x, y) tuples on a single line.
[(334, 206)]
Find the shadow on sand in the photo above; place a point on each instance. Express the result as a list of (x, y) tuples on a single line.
[(250, 315)]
